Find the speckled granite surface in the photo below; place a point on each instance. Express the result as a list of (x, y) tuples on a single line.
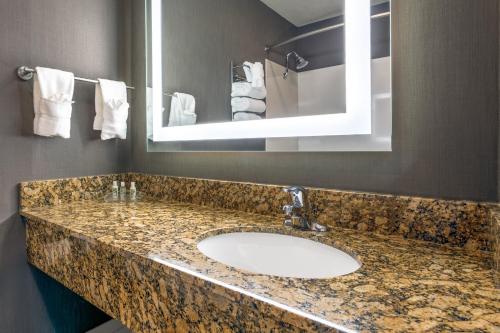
[(58, 191), (456, 223), (495, 232), (139, 263)]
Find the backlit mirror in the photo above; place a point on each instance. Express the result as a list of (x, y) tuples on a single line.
[(269, 75)]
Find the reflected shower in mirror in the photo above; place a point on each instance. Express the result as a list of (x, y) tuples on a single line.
[(300, 63), (270, 75)]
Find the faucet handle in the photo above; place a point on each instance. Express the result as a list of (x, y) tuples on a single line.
[(298, 193), (294, 189)]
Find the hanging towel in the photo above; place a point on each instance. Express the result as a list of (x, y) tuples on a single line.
[(254, 73), (245, 89), (257, 75), (182, 110), (247, 67), (246, 104), (52, 99), (111, 109), (242, 116)]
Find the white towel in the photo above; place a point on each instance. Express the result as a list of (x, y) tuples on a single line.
[(257, 75), (242, 116), (52, 99), (182, 110), (254, 73), (247, 67), (246, 104), (111, 109), (245, 89)]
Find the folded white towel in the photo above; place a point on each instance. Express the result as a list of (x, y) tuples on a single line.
[(254, 73), (241, 116), (111, 109), (52, 99), (245, 89), (182, 110), (242, 104)]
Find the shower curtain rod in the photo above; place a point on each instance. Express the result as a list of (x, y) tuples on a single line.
[(26, 73), (319, 31)]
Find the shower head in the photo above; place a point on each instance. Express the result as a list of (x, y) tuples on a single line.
[(300, 63)]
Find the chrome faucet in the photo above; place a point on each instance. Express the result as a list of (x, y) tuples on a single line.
[(298, 214)]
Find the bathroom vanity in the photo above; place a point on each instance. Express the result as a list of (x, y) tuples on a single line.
[(139, 262), (398, 98)]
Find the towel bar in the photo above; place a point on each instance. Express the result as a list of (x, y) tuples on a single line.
[(26, 73)]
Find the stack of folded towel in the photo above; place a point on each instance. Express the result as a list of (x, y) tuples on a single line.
[(247, 98), (52, 101), (111, 109)]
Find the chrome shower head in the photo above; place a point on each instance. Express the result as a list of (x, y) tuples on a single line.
[(300, 63)]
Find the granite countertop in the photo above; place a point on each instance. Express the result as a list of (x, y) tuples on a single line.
[(403, 285)]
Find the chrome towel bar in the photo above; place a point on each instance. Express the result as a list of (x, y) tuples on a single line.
[(26, 73)]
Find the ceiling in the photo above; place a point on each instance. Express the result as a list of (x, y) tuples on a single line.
[(303, 12)]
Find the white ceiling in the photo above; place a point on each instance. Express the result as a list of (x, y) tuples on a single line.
[(303, 12)]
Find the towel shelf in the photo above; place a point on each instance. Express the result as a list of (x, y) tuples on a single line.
[(26, 73)]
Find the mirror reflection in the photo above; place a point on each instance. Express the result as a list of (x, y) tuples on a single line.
[(226, 61)]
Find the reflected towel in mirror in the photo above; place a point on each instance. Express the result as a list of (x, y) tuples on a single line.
[(242, 104), (182, 110), (245, 89), (254, 73), (242, 116)]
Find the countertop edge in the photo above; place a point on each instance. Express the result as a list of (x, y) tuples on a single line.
[(178, 268)]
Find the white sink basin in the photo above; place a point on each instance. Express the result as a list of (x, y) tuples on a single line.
[(278, 255)]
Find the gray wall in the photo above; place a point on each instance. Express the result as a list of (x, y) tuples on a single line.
[(86, 37), (445, 115)]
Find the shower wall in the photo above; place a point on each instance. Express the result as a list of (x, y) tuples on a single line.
[(322, 91), (282, 101)]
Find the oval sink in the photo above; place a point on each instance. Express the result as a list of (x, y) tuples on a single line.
[(278, 255)]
